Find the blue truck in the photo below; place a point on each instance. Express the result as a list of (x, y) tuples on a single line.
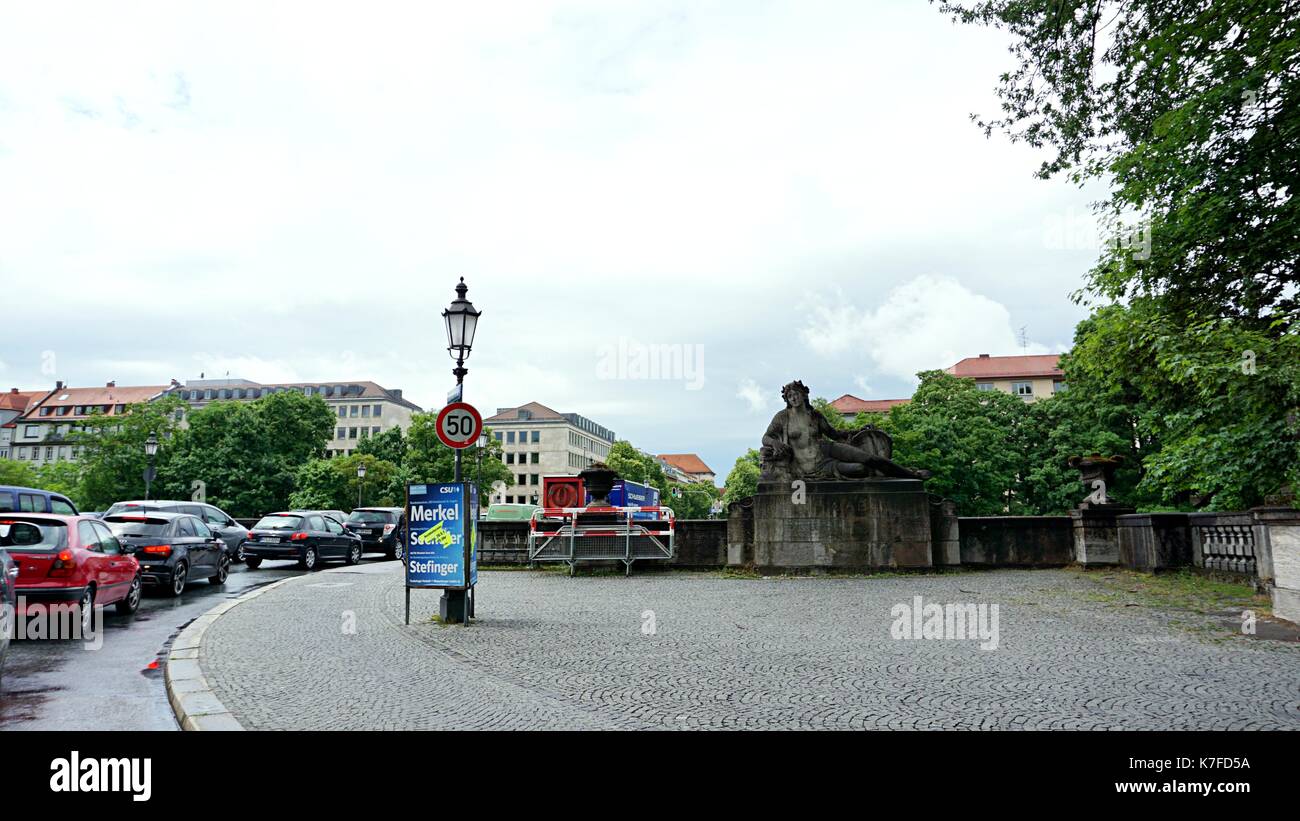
[(633, 494)]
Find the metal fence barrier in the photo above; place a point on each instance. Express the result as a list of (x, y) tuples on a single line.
[(579, 534)]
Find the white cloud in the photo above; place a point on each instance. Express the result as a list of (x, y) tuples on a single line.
[(929, 322), (753, 395)]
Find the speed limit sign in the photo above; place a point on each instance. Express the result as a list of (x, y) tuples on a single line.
[(459, 425)]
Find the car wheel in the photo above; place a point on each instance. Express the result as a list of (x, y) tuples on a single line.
[(131, 603), (252, 562), (239, 553), (223, 570), (308, 560), (354, 553), (398, 553), (179, 576), (86, 609)]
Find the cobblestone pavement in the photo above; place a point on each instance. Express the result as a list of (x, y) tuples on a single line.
[(553, 652)]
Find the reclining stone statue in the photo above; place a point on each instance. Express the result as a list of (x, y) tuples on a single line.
[(801, 444)]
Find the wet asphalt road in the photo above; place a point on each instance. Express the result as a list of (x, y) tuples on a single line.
[(62, 685)]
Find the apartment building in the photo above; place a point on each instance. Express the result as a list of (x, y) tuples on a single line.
[(364, 408), (686, 468), (13, 405), (40, 434), (1031, 377), (537, 441)]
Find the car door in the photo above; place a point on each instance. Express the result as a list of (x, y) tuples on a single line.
[(318, 535), (211, 546), (223, 527), (191, 547), (94, 562), (120, 570), (338, 537)]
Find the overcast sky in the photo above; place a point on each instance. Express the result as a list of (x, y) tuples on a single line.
[(289, 192)]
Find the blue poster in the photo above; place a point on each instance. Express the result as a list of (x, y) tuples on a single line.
[(473, 535), (441, 536)]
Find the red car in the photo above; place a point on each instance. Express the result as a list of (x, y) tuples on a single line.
[(70, 559)]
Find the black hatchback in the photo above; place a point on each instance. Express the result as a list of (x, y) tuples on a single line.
[(172, 548), (310, 538), (381, 529)]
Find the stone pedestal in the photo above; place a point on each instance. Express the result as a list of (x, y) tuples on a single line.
[(740, 533), (1155, 541), (945, 534), (1283, 549), (1096, 534), (866, 524)]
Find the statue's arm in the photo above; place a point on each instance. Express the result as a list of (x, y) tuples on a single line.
[(830, 431), (774, 436)]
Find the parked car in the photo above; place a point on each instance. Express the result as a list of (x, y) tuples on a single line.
[(311, 538), (337, 515), (33, 500), (8, 600), (380, 529), (231, 533), (71, 559), (173, 548)]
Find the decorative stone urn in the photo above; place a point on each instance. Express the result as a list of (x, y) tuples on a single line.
[(599, 480), (1097, 473)]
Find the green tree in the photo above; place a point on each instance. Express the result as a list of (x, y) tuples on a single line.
[(110, 450), (429, 460), (691, 501), (742, 481), (16, 473), (62, 477), (635, 466), (332, 484), (390, 446), (247, 454), (971, 440)]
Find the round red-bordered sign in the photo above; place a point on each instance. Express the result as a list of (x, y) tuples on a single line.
[(459, 425)]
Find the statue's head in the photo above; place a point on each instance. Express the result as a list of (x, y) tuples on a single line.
[(795, 395)]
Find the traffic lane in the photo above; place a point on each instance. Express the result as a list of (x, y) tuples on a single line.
[(65, 685)]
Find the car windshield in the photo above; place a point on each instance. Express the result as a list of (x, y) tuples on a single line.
[(370, 517), (279, 523), (136, 526), (31, 536)]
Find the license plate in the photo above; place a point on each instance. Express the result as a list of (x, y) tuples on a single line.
[(271, 539), (365, 532)]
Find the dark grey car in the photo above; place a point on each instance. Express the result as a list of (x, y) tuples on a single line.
[(222, 525)]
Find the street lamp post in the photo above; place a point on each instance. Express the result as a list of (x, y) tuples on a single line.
[(150, 450), (462, 321), (361, 475)]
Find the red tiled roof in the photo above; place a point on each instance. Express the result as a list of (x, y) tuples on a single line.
[(686, 463), (1007, 367), (850, 405), (92, 397), (18, 400)]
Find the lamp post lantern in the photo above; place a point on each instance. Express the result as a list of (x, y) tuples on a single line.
[(462, 322), (361, 475), (150, 450)]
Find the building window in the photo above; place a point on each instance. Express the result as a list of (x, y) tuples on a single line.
[(1059, 386), (46, 411), (532, 479), (523, 480), (378, 410), (497, 435), (355, 410), (343, 411), (536, 457), (31, 430), (983, 386), (22, 453), (510, 437), (49, 454), (510, 458), (374, 430), (1022, 388), (342, 434), (537, 436), (352, 433), (365, 411)]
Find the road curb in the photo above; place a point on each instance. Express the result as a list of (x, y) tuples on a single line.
[(195, 704)]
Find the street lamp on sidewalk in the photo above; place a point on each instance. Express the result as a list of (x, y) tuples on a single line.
[(150, 450), (462, 322), (361, 475)]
